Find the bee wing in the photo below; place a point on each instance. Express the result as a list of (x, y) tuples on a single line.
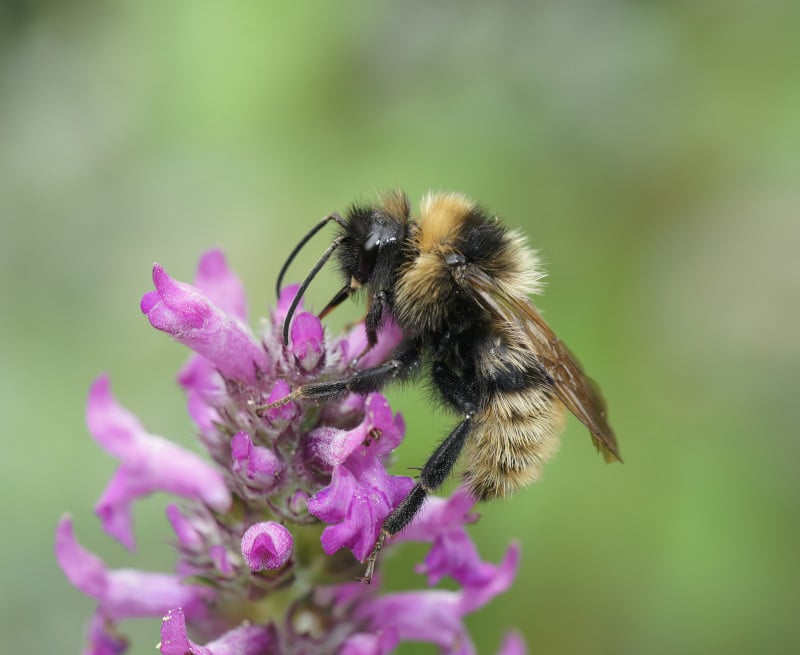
[(572, 386)]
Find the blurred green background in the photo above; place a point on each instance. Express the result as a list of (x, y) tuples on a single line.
[(649, 149)]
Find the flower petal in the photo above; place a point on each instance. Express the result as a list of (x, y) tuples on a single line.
[(475, 597), (331, 504), (513, 644), (222, 286), (431, 616), (355, 343), (285, 300), (102, 638), (83, 569), (188, 537), (204, 389), (364, 643), (259, 468), (376, 436), (439, 515), (244, 640), (113, 427), (283, 413), (222, 561), (307, 340), (452, 553)]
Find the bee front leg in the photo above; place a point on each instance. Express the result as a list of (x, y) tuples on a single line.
[(372, 321)]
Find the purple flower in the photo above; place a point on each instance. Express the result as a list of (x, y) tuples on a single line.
[(262, 524), (242, 640), (307, 340), (123, 593), (188, 314), (258, 468), (452, 552), (222, 286), (355, 344), (281, 415), (366, 643), (267, 545), (102, 639), (513, 644), (361, 493), (185, 529), (205, 387), (147, 463)]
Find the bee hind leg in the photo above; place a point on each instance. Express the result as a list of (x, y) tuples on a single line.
[(437, 468), (433, 475)]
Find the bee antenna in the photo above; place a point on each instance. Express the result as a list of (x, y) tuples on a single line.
[(330, 217), (311, 275)]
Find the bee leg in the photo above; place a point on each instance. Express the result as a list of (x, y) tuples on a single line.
[(402, 365), (454, 388), (372, 321), (437, 468), (374, 317), (294, 395), (434, 473)]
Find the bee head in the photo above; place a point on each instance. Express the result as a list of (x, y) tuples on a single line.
[(369, 239)]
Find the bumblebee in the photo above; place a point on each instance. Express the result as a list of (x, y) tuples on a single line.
[(458, 282)]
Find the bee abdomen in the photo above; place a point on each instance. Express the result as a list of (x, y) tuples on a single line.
[(514, 436)]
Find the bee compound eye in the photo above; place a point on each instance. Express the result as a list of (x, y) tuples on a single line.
[(372, 242), (368, 256)]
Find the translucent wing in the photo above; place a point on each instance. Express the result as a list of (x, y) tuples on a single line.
[(578, 392)]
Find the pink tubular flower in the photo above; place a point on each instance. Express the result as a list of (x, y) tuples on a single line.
[(280, 415), (513, 644), (102, 639), (262, 524), (243, 640), (187, 314), (220, 284), (307, 340), (205, 387), (123, 593), (452, 552), (365, 643), (361, 493), (258, 468), (147, 463), (355, 344)]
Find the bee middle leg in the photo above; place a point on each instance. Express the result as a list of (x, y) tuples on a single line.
[(438, 467)]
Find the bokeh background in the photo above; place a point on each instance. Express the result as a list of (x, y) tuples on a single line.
[(649, 149)]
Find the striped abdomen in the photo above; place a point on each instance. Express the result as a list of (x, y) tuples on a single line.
[(514, 435)]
